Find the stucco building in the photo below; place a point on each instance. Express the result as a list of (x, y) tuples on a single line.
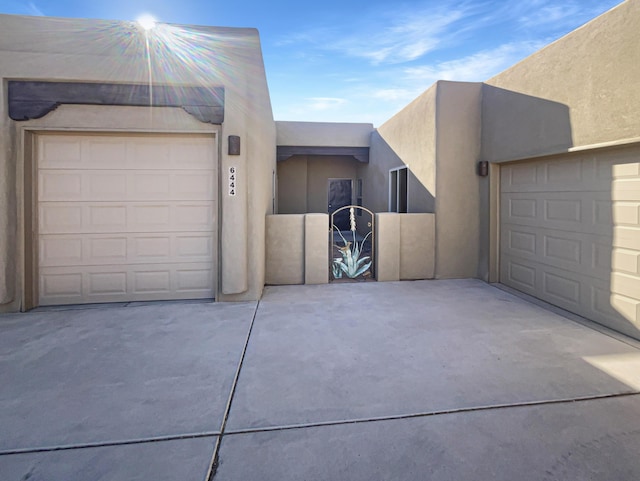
[(138, 165)]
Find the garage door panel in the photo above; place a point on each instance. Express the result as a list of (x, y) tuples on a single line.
[(614, 310), (60, 218), (120, 249), (563, 286), (625, 284), (113, 283), (108, 185), (106, 217), (193, 279), (125, 218), (562, 210), (518, 273), (626, 261), (589, 212), (104, 185), (552, 176), (192, 185), (193, 154), (570, 234), (521, 242), (560, 287), (622, 165), (60, 287), (627, 237), (526, 208), (97, 284), (626, 189), (104, 152), (559, 248), (566, 174), (152, 280), (59, 151), (626, 213), (194, 217), (122, 153), (626, 306), (145, 247), (519, 176), (585, 253), (194, 247), (102, 250), (60, 185)]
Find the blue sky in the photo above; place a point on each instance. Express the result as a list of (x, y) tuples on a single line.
[(360, 60)]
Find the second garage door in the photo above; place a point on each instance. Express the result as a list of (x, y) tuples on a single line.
[(125, 218), (570, 233)]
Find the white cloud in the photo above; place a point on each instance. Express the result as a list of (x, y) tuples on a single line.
[(551, 15), (409, 33), (473, 68), (400, 37), (33, 9), (325, 103), (556, 15), (397, 35)]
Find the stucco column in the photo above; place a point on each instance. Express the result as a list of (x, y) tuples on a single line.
[(7, 213), (316, 249), (387, 246), (234, 187)]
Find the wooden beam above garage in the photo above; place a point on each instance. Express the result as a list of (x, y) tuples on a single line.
[(33, 99)]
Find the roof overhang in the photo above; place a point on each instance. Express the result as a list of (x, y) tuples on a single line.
[(361, 154)]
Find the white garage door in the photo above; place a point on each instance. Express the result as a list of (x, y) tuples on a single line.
[(570, 234), (125, 218)]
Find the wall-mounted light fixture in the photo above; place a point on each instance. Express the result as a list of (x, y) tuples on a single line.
[(234, 145), (483, 168)]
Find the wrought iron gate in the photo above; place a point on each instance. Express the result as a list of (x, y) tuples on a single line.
[(352, 252)]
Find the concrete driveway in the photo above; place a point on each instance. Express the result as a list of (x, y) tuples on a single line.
[(438, 380)]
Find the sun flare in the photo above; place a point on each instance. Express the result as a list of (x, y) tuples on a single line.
[(146, 21)]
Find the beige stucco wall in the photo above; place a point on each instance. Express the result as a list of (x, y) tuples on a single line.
[(323, 134), (417, 246), (458, 204), (292, 185), (387, 249), (285, 244), (319, 170), (297, 249), (303, 181), (580, 90), (438, 137), (37, 48), (405, 246), (408, 138), (316, 252)]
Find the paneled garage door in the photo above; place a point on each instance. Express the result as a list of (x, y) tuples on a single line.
[(570, 234), (125, 218)]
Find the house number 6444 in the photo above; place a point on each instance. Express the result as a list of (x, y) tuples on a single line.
[(232, 180)]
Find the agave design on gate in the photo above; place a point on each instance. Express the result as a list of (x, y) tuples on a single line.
[(351, 264)]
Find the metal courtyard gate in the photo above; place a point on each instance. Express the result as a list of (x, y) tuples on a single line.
[(352, 251)]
